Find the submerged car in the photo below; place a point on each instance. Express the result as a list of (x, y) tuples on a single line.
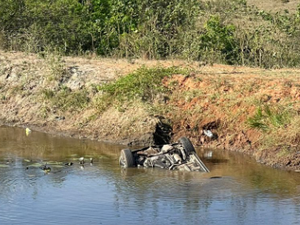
[(176, 156)]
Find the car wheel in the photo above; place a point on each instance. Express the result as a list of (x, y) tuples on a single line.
[(187, 145), (126, 158)]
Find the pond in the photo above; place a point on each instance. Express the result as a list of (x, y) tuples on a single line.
[(237, 191)]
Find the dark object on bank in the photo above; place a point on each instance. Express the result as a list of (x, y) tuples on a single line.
[(177, 156)]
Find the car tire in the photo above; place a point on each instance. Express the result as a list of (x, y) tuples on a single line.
[(187, 145), (126, 158)]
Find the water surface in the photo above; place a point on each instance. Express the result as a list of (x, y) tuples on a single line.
[(237, 191)]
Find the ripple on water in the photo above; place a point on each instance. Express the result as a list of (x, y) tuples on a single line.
[(104, 193)]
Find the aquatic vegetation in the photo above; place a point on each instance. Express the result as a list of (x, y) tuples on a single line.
[(4, 166)]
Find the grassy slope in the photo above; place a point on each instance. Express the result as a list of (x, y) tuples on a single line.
[(223, 99), (59, 96)]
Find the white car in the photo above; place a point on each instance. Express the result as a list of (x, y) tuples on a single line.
[(177, 156)]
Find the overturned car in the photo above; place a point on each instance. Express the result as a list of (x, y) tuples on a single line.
[(176, 156)]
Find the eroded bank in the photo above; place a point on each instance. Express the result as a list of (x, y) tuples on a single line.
[(250, 110)]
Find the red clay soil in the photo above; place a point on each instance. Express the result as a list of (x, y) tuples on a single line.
[(222, 98), (218, 98)]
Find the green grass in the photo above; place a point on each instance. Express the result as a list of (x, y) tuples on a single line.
[(66, 99), (267, 117), (144, 84)]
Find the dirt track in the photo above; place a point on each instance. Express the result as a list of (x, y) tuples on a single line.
[(218, 98)]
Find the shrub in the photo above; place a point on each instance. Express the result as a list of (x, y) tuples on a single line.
[(219, 38), (66, 99), (144, 85), (222, 31), (267, 117)]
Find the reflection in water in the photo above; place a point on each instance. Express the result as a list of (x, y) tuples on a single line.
[(104, 193)]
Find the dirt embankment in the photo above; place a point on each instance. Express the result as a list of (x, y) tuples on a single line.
[(42, 92), (253, 111), (59, 96)]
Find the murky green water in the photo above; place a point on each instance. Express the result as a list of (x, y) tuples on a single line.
[(103, 193)]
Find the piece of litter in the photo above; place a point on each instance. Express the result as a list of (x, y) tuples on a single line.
[(27, 131), (208, 154), (208, 133)]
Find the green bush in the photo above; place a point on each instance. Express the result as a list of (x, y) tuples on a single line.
[(143, 85), (219, 38), (222, 31), (267, 117)]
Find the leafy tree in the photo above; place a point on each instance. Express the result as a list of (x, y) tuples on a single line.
[(219, 38), (153, 29)]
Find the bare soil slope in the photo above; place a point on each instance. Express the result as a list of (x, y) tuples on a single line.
[(223, 99)]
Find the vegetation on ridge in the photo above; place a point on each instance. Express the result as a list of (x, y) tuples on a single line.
[(224, 31)]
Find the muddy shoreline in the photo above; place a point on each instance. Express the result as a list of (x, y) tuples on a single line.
[(214, 98)]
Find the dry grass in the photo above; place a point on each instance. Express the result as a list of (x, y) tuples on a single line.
[(209, 93), (275, 5), (134, 121)]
